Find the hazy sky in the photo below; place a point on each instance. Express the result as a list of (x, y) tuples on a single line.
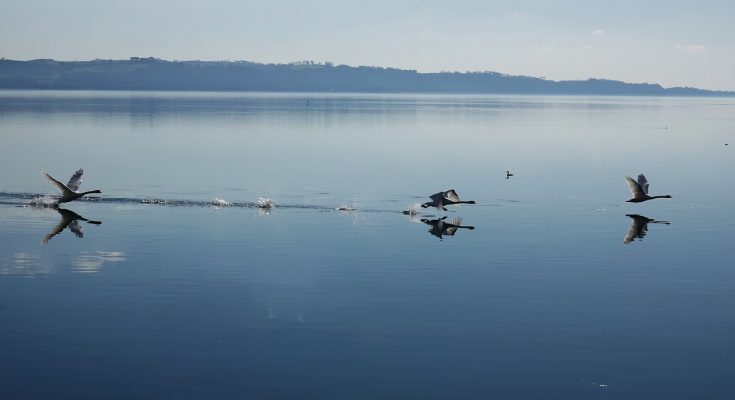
[(674, 43)]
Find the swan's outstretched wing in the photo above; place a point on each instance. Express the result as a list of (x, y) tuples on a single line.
[(635, 227), (62, 188), (76, 228), (437, 226), (635, 188), (452, 227), (451, 195), (643, 230), (75, 180), (643, 182), (438, 199), (57, 229), (638, 228)]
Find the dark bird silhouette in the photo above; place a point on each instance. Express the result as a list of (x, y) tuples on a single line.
[(639, 227), (69, 191), (439, 200), (640, 190), (508, 174), (440, 228), (68, 219)]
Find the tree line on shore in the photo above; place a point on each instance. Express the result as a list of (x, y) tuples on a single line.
[(150, 73)]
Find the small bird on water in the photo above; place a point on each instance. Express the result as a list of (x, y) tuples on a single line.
[(439, 200), (640, 190), (69, 191)]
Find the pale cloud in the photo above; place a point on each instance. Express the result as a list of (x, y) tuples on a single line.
[(598, 32), (587, 46), (520, 17), (542, 49), (516, 14), (693, 47)]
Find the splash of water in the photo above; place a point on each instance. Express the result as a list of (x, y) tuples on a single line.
[(217, 202), (412, 212), (265, 203), (346, 208), (40, 201), (44, 201)]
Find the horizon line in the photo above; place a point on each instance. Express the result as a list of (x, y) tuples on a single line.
[(334, 65)]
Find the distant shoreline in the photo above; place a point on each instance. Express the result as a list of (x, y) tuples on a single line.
[(287, 92), (152, 74)]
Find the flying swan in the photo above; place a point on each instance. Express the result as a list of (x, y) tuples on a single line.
[(69, 191), (640, 190), (441, 199)]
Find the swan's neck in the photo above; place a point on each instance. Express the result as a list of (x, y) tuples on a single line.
[(661, 197), (89, 192)]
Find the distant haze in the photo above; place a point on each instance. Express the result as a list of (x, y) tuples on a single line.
[(673, 43)]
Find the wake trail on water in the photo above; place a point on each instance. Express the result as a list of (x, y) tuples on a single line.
[(24, 199)]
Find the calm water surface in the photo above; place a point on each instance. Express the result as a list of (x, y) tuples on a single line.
[(542, 299)]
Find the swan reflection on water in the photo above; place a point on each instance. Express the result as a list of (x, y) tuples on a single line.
[(68, 219), (639, 227), (440, 228)]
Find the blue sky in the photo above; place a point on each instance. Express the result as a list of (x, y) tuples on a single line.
[(674, 43)]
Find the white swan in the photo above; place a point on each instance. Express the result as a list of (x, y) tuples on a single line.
[(640, 190), (439, 200), (69, 191)]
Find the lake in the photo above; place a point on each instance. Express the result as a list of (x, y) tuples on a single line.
[(179, 285)]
